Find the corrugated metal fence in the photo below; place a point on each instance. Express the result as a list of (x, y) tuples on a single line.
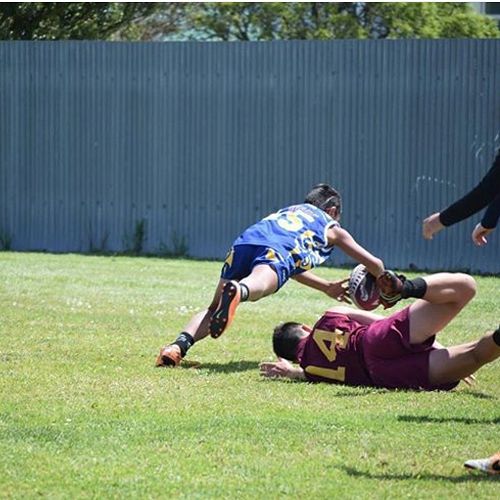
[(199, 140)]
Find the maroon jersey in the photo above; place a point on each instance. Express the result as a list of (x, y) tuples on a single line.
[(332, 352), (341, 350)]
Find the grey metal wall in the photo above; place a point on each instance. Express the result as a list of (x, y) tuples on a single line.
[(202, 139)]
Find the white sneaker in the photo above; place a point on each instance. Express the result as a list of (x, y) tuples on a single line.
[(489, 465)]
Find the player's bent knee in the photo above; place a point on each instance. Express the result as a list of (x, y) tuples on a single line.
[(468, 286)]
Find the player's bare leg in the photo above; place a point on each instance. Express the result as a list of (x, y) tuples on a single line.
[(458, 362), (262, 281), (195, 330), (199, 323), (445, 297)]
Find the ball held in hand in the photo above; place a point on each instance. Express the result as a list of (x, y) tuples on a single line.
[(363, 290)]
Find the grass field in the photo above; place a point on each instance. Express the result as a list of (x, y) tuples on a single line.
[(84, 413)]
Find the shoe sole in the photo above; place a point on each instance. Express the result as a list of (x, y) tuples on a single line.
[(223, 316), (388, 285)]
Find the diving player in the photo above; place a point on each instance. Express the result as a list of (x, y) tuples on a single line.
[(286, 244)]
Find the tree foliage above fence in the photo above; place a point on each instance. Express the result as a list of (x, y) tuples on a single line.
[(87, 20), (318, 20), (227, 21)]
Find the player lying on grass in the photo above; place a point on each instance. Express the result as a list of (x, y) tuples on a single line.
[(286, 244), (356, 347)]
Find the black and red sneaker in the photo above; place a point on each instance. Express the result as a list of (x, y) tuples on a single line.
[(224, 314), (390, 285)]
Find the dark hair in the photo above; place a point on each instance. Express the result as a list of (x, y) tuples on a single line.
[(324, 196), (286, 338)]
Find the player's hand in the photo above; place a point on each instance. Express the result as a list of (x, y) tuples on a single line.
[(275, 369), (479, 235), (338, 290), (431, 226)]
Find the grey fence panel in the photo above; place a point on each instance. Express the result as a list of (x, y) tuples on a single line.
[(199, 140)]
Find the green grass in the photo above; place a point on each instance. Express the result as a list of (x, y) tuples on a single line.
[(84, 414)]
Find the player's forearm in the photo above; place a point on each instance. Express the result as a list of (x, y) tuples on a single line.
[(472, 202), (363, 317), (481, 196), (374, 265), (309, 279), (351, 247), (492, 214)]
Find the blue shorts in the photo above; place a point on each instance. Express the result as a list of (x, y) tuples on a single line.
[(241, 259)]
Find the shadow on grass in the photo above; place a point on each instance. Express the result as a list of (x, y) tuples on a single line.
[(231, 367), (360, 391), (423, 419), (368, 391), (464, 478), (341, 390), (479, 395)]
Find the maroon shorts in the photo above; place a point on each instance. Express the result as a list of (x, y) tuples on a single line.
[(392, 361)]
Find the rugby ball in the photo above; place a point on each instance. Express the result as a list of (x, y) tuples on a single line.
[(363, 290)]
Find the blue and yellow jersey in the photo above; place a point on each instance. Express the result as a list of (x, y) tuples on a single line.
[(298, 234)]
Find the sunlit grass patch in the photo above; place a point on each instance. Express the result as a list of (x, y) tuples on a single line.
[(84, 413)]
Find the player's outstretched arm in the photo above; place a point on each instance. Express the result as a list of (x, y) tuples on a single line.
[(488, 223), (335, 289), (487, 192), (341, 238), (281, 369), (359, 315)]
